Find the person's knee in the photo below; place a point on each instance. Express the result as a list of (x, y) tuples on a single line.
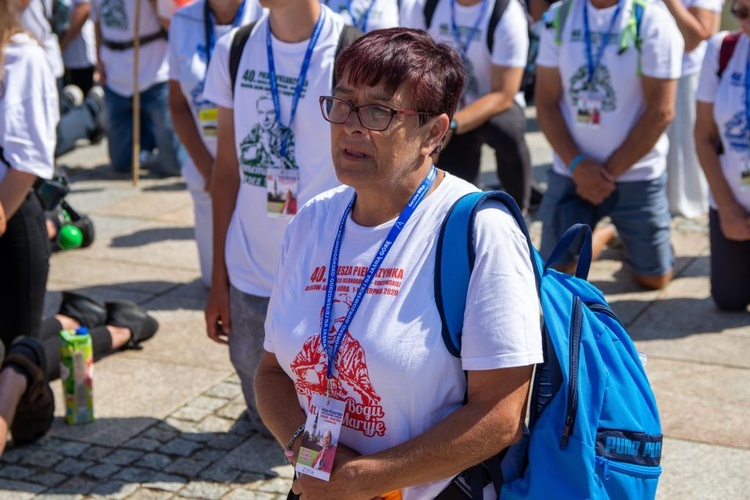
[(654, 282)]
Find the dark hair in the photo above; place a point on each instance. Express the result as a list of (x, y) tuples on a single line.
[(433, 72)]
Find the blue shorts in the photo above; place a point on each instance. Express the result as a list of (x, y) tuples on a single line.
[(639, 210)]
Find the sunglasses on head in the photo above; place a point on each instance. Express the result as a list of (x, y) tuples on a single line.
[(741, 13)]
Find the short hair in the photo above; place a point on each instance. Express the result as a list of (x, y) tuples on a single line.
[(433, 72)]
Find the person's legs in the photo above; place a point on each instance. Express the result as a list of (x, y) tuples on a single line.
[(102, 341), (730, 268), (155, 116), (119, 120), (462, 155), (78, 123), (642, 218), (505, 133), (248, 315), (203, 223), (24, 252)]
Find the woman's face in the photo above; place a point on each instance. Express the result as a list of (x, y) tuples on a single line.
[(741, 11)]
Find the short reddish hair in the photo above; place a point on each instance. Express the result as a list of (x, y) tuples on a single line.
[(433, 72)]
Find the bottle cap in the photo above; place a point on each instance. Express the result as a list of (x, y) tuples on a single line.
[(69, 237), (82, 330)]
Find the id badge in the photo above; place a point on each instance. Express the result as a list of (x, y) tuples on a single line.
[(282, 186), (589, 112), (321, 437), (208, 118)]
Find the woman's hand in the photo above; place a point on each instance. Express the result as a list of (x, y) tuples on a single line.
[(735, 223)]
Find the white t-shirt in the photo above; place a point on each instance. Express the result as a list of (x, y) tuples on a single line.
[(28, 108), (254, 239), (81, 51), (35, 19), (115, 18), (691, 62), (510, 45), (395, 336), (188, 62), (616, 78), (728, 98), (382, 13)]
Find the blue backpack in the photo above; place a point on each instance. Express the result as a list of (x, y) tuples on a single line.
[(593, 429)]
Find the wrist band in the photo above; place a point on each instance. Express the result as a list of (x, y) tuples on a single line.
[(296, 434), (574, 163)]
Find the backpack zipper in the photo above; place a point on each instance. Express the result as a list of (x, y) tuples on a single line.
[(575, 347), (626, 468), (596, 307)]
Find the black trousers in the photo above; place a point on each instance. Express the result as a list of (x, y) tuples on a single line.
[(83, 78), (505, 133), (730, 268), (24, 266), (101, 341)]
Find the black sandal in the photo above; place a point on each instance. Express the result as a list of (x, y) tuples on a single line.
[(127, 314), (85, 310)]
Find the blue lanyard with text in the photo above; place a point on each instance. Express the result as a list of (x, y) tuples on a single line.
[(594, 64), (457, 35), (325, 328), (208, 24), (300, 79)]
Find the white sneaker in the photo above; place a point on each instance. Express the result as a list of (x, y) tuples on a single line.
[(73, 94)]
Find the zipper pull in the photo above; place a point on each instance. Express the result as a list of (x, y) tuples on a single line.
[(566, 432), (605, 467)]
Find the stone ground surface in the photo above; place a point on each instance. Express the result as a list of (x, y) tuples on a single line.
[(168, 416)]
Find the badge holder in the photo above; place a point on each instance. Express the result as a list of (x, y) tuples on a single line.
[(282, 186), (321, 437)]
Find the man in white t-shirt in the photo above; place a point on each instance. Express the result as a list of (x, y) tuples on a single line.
[(352, 319), (367, 15), (491, 109), (114, 26), (35, 18), (276, 141), (606, 79)]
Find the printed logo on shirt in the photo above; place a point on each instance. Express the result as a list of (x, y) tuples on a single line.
[(196, 96), (387, 281), (602, 85), (736, 78), (260, 150), (737, 132), (114, 14)]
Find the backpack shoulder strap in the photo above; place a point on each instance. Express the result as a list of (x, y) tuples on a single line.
[(497, 12), (346, 38), (727, 49), (235, 52), (561, 16), (455, 260), (429, 11)]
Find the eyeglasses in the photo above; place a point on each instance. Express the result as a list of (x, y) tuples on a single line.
[(376, 117), (741, 13)]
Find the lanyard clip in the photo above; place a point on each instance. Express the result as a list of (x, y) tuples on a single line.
[(328, 391)]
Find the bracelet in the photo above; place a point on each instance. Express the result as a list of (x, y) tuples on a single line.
[(296, 434), (574, 163)]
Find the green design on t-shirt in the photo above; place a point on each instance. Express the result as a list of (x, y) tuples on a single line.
[(114, 14)]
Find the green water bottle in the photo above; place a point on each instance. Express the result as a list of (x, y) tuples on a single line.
[(69, 237), (77, 374)]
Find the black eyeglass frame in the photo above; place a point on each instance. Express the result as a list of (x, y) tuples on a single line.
[(322, 99)]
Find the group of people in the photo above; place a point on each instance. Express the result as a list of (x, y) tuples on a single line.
[(301, 226)]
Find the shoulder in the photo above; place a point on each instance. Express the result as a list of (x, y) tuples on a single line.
[(654, 12), (318, 208), (190, 13), (25, 51)]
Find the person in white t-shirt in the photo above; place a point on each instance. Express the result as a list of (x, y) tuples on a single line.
[(77, 42), (114, 27), (687, 189), (35, 18), (491, 109), (605, 91), (723, 117), (194, 117), (403, 391), (367, 15), (270, 139)]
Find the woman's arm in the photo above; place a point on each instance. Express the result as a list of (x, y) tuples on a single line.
[(695, 24), (505, 84), (13, 190), (734, 219)]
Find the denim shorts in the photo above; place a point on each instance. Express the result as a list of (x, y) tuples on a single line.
[(639, 211)]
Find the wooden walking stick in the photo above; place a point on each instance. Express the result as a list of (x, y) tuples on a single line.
[(136, 96)]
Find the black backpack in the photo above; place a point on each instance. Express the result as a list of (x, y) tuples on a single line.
[(347, 36), (527, 81)]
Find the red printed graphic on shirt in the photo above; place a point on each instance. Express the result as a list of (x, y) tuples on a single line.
[(387, 280), (351, 382)]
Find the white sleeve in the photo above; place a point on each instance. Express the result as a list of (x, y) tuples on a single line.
[(712, 5), (708, 82), (412, 14), (549, 51), (501, 320), (511, 42), (663, 45), (218, 87)]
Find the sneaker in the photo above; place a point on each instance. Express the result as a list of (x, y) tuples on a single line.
[(73, 94), (96, 94)]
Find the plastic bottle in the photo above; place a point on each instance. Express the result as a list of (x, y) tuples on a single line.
[(77, 375)]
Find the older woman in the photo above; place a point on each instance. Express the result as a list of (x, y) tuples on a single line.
[(723, 117), (374, 343)]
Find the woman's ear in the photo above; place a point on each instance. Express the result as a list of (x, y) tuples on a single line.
[(438, 128)]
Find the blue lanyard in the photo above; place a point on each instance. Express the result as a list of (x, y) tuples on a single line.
[(325, 329), (457, 35), (747, 96), (300, 79), (594, 64), (208, 24), (363, 24)]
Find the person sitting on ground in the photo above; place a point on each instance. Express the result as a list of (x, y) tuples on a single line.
[(389, 113), (722, 118), (113, 326)]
